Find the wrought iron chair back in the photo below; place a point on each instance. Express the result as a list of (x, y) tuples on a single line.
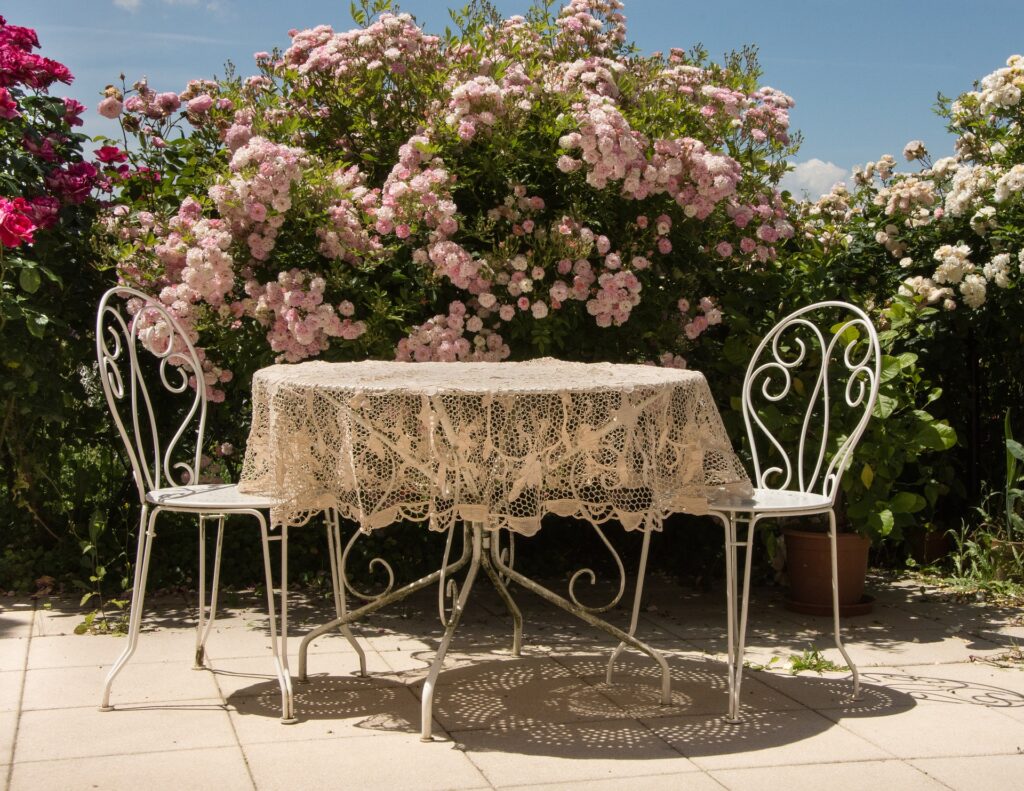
[(802, 362), (126, 321)]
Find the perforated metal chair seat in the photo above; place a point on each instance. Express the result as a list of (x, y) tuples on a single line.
[(216, 497), (764, 501)]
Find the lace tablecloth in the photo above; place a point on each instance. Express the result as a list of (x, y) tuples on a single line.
[(499, 443)]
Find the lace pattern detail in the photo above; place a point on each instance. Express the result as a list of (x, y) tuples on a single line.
[(501, 443)]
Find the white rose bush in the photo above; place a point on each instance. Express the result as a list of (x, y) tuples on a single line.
[(938, 249)]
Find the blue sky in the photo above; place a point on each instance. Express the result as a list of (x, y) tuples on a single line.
[(864, 73)]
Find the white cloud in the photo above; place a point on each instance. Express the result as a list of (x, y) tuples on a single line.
[(128, 5), (813, 178)]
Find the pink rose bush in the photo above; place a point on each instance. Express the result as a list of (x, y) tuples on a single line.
[(528, 185)]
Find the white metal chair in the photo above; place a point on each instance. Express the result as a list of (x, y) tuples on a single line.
[(131, 389), (847, 356)]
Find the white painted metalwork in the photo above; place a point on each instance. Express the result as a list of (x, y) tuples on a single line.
[(593, 578), (167, 475), (807, 483), (481, 548)]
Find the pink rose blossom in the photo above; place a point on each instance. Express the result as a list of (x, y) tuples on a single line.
[(110, 107), (200, 104)]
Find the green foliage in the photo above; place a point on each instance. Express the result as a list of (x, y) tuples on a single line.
[(899, 472), (812, 660)]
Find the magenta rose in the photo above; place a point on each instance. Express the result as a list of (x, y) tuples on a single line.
[(72, 110), (75, 182), (8, 107), (110, 154)]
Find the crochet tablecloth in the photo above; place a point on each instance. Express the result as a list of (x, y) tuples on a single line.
[(499, 443)]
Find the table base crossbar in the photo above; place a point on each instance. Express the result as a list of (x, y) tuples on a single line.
[(481, 550)]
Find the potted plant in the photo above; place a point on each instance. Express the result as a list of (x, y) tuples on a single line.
[(892, 484)]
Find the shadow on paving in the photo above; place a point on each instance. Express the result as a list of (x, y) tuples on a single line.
[(564, 709)]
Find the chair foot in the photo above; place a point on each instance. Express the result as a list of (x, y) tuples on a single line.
[(289, 720), (732, 720), (427, 739), (105, 708), (200, 659)]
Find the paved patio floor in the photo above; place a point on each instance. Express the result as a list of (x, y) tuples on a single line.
[(936, 710)]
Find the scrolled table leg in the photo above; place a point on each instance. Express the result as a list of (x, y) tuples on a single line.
[(585, 614), (375, 604), (593, 578), (340, 599), (427, 707), (374, 563), (492, 547), (640, 575)]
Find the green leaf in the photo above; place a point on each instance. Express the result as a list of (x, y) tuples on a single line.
[(37, 325), (890, 368), (867, 475), (907, 503), (29, 280), (936, 436), (885, 406), (882, 522), (1015, 449)]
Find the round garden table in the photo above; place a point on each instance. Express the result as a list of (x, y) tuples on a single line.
[(495, 447)]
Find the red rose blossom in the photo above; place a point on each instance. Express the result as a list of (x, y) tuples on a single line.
[(15, 227)]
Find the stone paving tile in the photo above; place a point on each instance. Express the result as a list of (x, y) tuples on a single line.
[(13, 651), (776, 738), (833, 776), (670, 782), (926, 731), (1001, 689), (991, 772), (52, 734), (138, 683), (8, 726), (10, 689), (390, 762), (866, 649), (222, 768), (254, 676), (534, 752), (88, 650), (16, 618), (329, 709)]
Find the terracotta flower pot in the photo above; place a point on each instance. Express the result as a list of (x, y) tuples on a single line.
[(808, 564)]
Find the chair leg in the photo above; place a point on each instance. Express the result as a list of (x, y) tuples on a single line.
[(730, 611), (338, 584), (835, 605), (748, 554), (736, 606), (640, 574), (279, 648), (147, 533), (206, 617)]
